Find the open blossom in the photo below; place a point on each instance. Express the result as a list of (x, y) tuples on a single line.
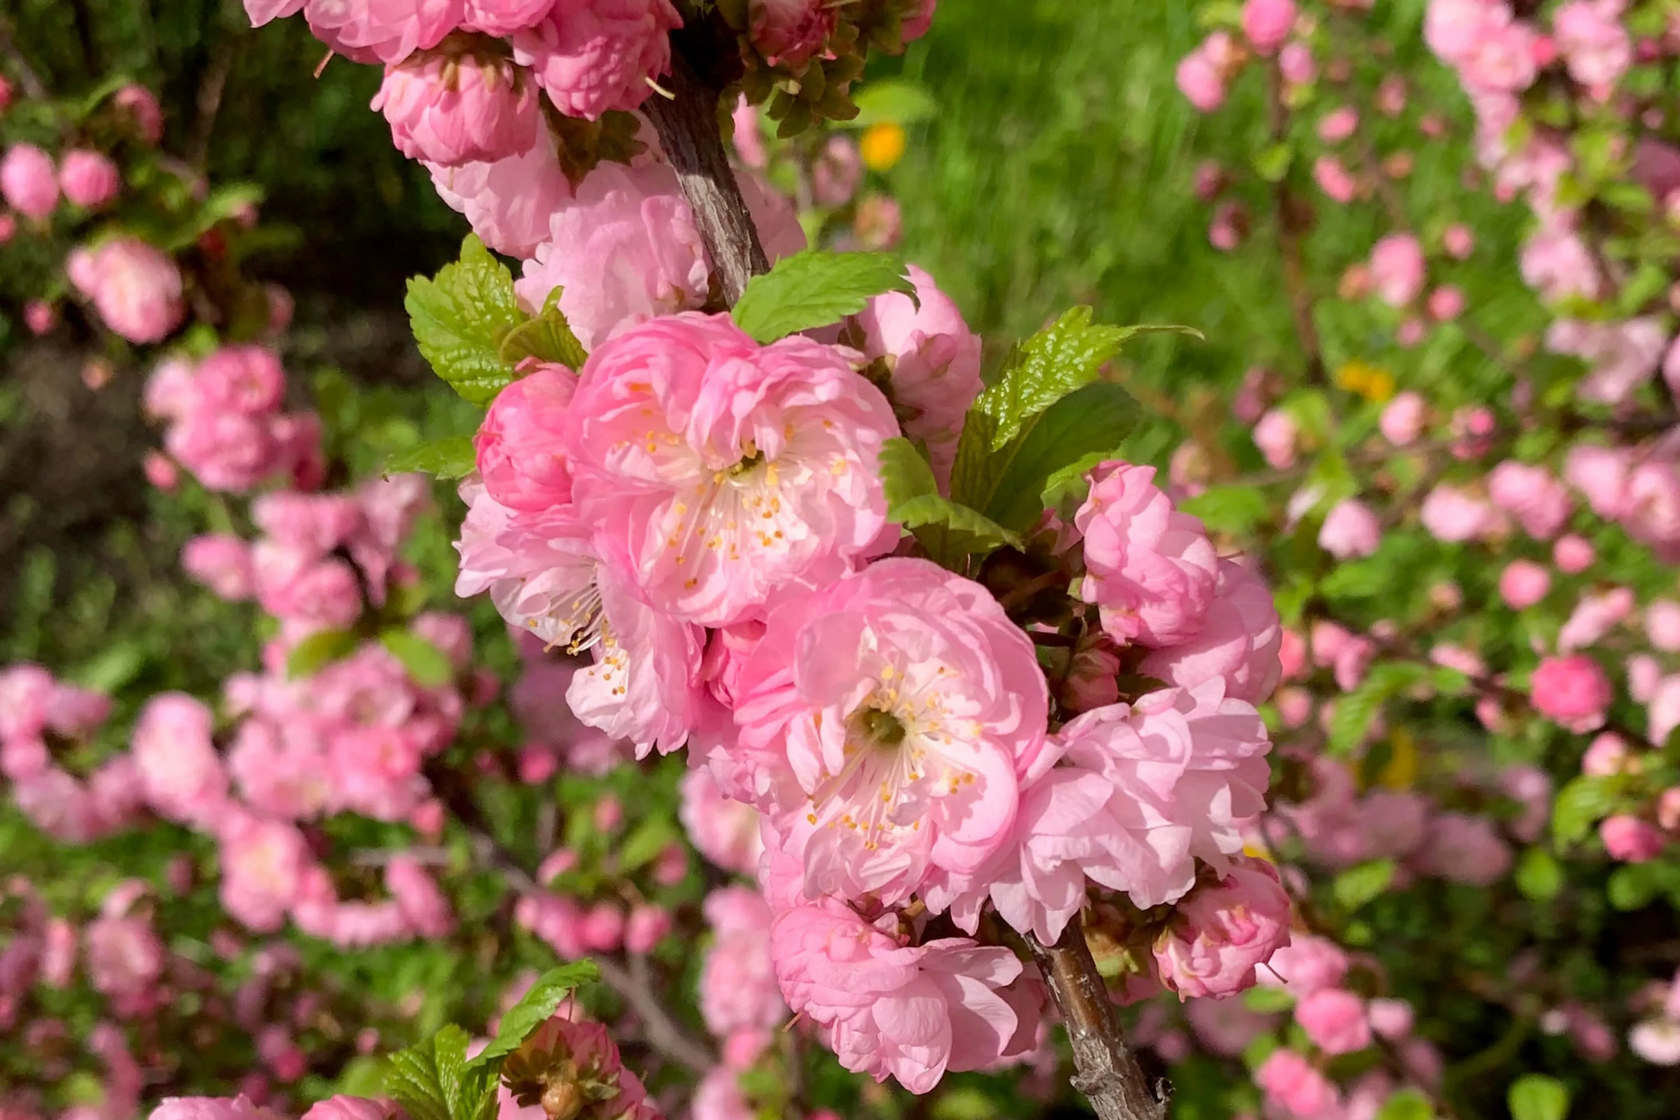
[(135, 288), (1239, 642), (723, 829), (595, 55), (912, 1012), (1203, 73), (1151, 569), (518, 447), (933, 364), (1453, 515), (789, 32), (724, 471), (1397, 269), (737, 981), (1593, 41), (378, 30), (1403, 418), (452, 107), (1523, 583), (180, 773), (27, 182), (1267, 23), (508, 201), (1531, 494), (1630, 839), (1296, 1089), (1335, 1021), (1573, 691), (263, 865), (88, 178), (1223, 931), (885, 723), (1350, 530)]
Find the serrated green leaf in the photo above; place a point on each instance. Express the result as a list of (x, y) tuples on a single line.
[(1358, 885), (1535, 1096), (1065, 356), (318, 650), (547, 338), (1407, 1104), (1092, 420), (1580, 804), (449, 458), (1538, 875), (816, 288), (411, 1079), (949, 530), (426, 664), (535, 1008), (461, 318)]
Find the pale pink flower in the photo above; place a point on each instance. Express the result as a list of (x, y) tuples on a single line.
[(88, 178), (1334, 179), (1403, 418), (595, 55), (1202, 74), (911, 1012), (1308, 964), (1463, 849), (1502, 59), (1458, 241), (1594, 617), (1350, 530), (417, 896), (1240, 641), (1558, 264), (1222, 931), (1151, 569), (718, 1096), (452, 108), (724, 471), (263, 865), (1335, 1021), (723, 829), (135, 288), (1296, 1089), (1593, 41), (1453, 515), (885, 724), (1662, 625), (1630, 839), (181, 775), (215, 1108), (1523, 583), (242, 379), (1397, 269), (1276, 435), (1267, 23), (500, 18), (1390, 1018), (1452, 27), (1657, 1041), (737, 981), (509, 201), (379, 30), (1532, 495), (299, 585), (1338, 124), (27, 181), (1572, 691), (520, 457), (1446, 302), (933, 365), (124, 956), (1296, 64)]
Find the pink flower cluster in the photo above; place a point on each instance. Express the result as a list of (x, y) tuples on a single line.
[(40, 720)]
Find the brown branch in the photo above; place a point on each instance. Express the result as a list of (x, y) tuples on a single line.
[(687, 123), (209, 101), (33, 87), (1108, 1073)]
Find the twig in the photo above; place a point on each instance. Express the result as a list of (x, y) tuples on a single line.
[(209, 101), (1108, 1073), (33, 87)]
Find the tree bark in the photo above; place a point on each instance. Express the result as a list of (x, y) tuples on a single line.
[(687, 123), (1108, 1073)]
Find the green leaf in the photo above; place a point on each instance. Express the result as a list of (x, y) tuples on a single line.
[(1356, 711), (1535, 1096), (413, 1081), (1539, 875), (948, 530), (1580, 804), (461, 318), (1358, 885), (645, 842), (547, 338), (426, 664), (534, 1009), (1632, 886), (1091, 421), (445, 458), (816, 288), (1407, 1104), (1235, 510), (891, 101), (1272, 163), (319, 649), (1267, 999)]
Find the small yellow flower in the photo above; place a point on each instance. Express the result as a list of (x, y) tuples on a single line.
[(882, 146), (1369, 381), (1402, 767)]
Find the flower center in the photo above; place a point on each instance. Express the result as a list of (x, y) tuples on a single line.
[(876, 728)]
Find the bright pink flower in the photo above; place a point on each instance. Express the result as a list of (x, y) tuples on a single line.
[(1350, 530), (1202, 73), (790, 32), (1338, 124), (135, 288), (1532, 495), (1151, 569), (1296, 1089), (1572, 691), (596, 55), (885, 723), (912, 1012), (722, 470), (1239, 642), (452, 108), (1307, 964), (381, 30), (27, 181), (1630, 839), (1593, 41), (1267, 23), (500, 18), (1523, 583), (723, 829), (623, 251), (1222, 931), (423, 906), (1334, 179), (1463, 849), (215, 1108), (1403, 418), (180, 772), (1594, 617), (88, 178), (124, 955), (1453, 515), (1335, 1021), (546, 576), (1397, 269), (1296, 64), (737, 981), (933, 365), (1276, 435), (509, 201), (263, 865), (518, 444)]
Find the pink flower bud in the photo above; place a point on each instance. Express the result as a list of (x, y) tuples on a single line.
[(1523, 583), (1335, 1021), (1334, 179), (1390, 1018), (1446, 302), (518, 445), (1630, 839), (27, 181), (603, 928), (1223, 930), (1295, 63), (1276, 435), (143, 107), (1458, 241), (1267, 23), (88, 179), (648, 925), (1573, 555), (1403, 418), (1338, 124), (1571, 691)]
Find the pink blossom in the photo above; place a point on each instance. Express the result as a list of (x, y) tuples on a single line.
[(1276, 435), (1657, 1041), (1573, 555), (518, 445), (1502, 57), (647, 927), (27, 181), (1607, 754), (181, 774), (932, 361), (1390, 1018), (1532, 495), (124, 956), (1151, 569), (1572, 691), (911, 1012), (1652, 515), (597, 55), (141, 104), (1334, 179), (243, 379), (1452, 27), (1240, 642), (1338, 124), (422, 904), (1223, 931), (133, 286), (381, 30), (1307, 964), (723, 470), (1202, 74), (222, 562), (1453, 515), (623, 251), (1267, 23), (1463, 849), (500, 18), (451, 108), (88, 178), (298, 585), (263, 865), (885, 723), (1458, 241), (1558, 264), (1397, 269), (1594, 617), (1296, 1089), (1296, 64), (1446, 303), (1523, 583), (1335, 1021), (214, 1108), (509, 201), (1350, 530), (719, 1096), (1630, 839), (837, 171), (1403, 418), (790, 32), (725, 830), (1662, 625), (264, 11), (1593, 41), (737, 981)]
